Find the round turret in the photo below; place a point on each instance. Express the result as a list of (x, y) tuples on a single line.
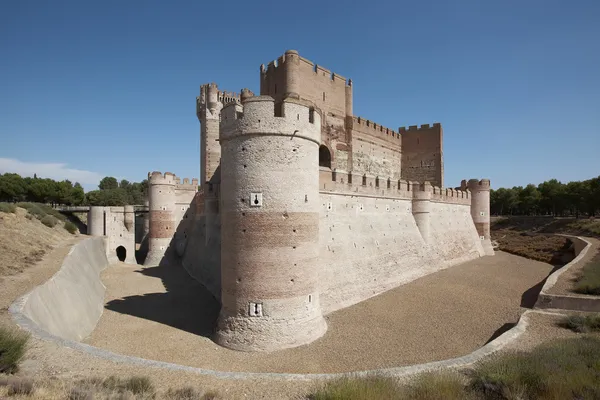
[(292, 74), (95, 221), (421, 208), (480, 211), (129, 218), (212, 97), (245, 94), (270, 225), (161, 196)]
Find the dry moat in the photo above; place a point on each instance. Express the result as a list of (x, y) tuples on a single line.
[(162, 314)]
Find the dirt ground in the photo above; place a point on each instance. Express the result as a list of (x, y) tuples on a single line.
[(161, 314)]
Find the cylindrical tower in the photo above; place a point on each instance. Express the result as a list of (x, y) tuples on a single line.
[(212, 97), (270, 224), (161, 192), (421, 208), (95, 221), (129, 218), (292, 73), (480, 211)]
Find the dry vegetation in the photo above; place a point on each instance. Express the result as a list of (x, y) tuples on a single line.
[(25, 238), (527, 240)]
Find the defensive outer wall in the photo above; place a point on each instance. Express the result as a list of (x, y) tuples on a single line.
[(284, 229)]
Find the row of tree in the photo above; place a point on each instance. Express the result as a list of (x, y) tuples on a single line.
[(577, 198), (114, 193), (14, 188)]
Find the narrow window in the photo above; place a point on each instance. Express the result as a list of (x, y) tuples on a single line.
[(323, 96)]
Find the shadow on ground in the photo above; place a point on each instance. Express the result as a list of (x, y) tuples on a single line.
[(186, 305)]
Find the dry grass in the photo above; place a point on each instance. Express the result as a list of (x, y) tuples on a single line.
[(13, 344), (24, 241), (571, 226), (562, 369), (589, 280), (551, 249), (112, 388)]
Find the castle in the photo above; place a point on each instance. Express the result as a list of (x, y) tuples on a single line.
[(305, 208)]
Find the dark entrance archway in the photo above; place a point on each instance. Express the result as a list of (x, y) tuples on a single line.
[(324, 157), (121, 253)]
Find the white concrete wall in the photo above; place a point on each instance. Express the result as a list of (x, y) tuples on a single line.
[(70, 304)]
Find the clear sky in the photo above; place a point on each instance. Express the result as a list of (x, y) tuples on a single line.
[(107, 88)]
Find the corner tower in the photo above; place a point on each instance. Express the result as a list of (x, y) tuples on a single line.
[(161, 195), (270, 224), (208, 109), (480, 210)]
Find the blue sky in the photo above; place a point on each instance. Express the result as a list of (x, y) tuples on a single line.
[(93, 89)]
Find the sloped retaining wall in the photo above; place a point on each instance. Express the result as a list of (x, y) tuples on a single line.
[(568, 302), (70, 303)]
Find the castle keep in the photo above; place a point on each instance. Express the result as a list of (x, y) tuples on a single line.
[(305, 208)]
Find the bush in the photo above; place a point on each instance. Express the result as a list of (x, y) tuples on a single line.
[(436, 386), (8, 208), (589, 281), (563, 369), (12, 349), (33, 209), (49, 221), (582, 323), (357, 389), (71, 227)]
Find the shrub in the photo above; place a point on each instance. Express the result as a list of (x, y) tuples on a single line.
[(589, 281), (49, 221), (435, 386), (8, 208), (19, 386), (33, 209), (140, 385), (71, 227), (187, 393), (563, 369), (12, 349), (357, 389), (582, 323), (81, 393)]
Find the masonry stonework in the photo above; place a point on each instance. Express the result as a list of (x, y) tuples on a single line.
[(304, 208)]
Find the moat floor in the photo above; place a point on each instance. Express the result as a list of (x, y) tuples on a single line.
[(162, 314)]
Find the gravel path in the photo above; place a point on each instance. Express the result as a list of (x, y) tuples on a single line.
[(162, 314), (564, 284)]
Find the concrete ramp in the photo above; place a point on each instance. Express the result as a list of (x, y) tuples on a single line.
[(70, 303)]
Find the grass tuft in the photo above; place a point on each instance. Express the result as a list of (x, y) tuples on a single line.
[(8, 208), (582, 323), (12, 349), (436, 386)]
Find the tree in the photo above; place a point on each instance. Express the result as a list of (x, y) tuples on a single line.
[(108, 183)]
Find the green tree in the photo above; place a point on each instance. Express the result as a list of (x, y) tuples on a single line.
[(108, 182)]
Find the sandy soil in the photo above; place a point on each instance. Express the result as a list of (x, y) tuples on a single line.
[(161, 314), (564, 284)]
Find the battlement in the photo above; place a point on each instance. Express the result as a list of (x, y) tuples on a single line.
[(371, 128), (209, 92), (187, 185), (476, 184), (259, 115), (292, 55), (158, 178), (351, 183), (413, 128)]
